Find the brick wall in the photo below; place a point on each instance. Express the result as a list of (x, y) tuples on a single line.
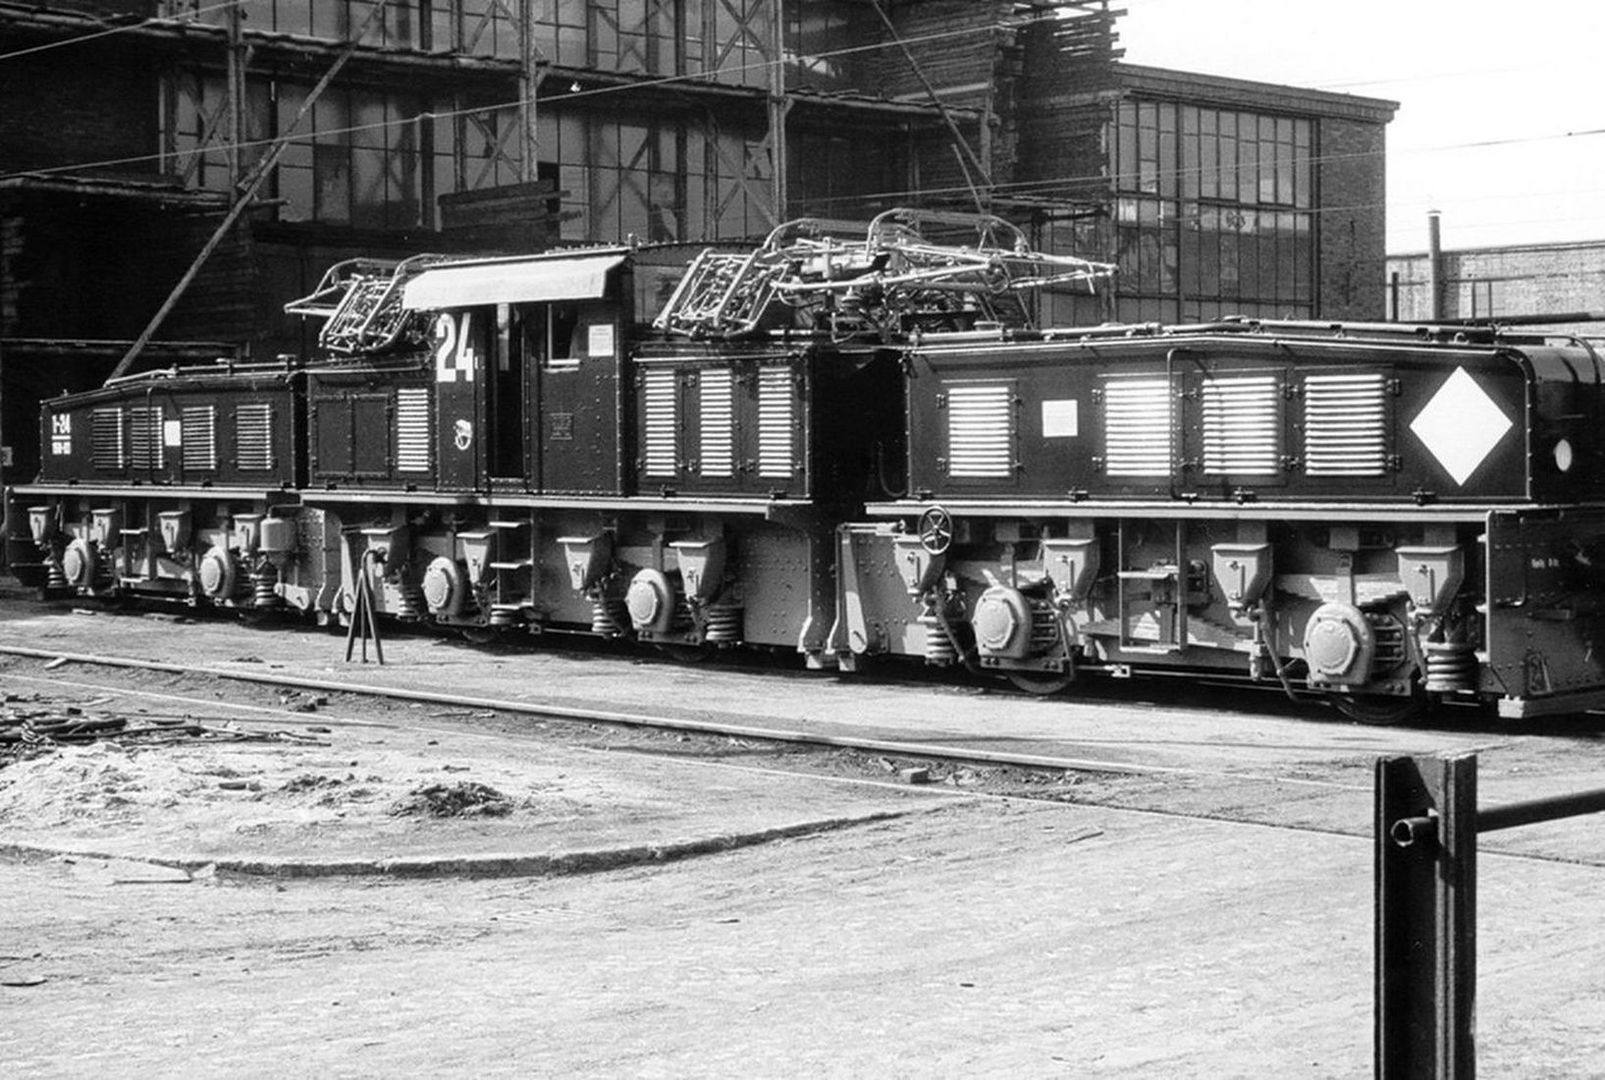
[(1517, 280), (98, 108), (1352, 222), (87, 265)]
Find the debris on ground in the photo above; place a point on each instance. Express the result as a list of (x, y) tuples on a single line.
[(30, 732), (466, 798)]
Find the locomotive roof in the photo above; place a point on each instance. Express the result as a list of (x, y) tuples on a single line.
[(1463, 335), (561, 275), (1548, 357)]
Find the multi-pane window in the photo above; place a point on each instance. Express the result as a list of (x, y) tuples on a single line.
[(1213, 212), (475, 27), (831, 176), (380, 156), (361, 156), (656, 179), (729, 41)]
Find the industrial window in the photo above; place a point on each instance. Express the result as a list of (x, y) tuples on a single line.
[(980, 431), (729, 40), (716, 405), (1215, 206), (1138, 427), (486, 28), (822, 44), (654, 179), (198, 434), (660, 424), (365, 157), (253, 435), (1242, 425)]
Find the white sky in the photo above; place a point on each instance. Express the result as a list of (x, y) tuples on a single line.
[(1525, 77)]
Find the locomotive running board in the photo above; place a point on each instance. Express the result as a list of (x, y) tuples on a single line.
[(1170, 509)]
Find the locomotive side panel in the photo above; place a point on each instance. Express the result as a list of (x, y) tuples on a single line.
[(370, 430), (1232, 419), (721, 424), (181, 431)]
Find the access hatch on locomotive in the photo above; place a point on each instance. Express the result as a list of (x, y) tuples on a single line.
[(859, 448)]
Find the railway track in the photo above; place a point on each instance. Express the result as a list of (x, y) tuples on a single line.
[(900, 749), (1321, 793)]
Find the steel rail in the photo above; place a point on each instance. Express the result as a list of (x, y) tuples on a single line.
[(886, 747)]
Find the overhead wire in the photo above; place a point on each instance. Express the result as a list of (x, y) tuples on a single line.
[(1016, 188), (689, 78), (154, 20)]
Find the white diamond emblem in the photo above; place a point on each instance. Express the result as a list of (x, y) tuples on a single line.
[(1461, 425)]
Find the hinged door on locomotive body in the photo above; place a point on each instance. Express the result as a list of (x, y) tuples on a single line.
[(778, 420), (1336, 507)]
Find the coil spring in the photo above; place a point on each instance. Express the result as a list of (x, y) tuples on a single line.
[(1044, 627), (263, 580), (939, 650), (105, 569), (504, 615), (722, 625), (1451, 665), (409, 602), (1388, 633), (683, 619), (609, 616), (55, 576)]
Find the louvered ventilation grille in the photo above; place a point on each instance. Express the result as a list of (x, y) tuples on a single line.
[(776, 420), (718, 424), (145, 437), (1137, 427), (253, 433), (1345, 425), (198, 432), (412, 430), (106, 439), (658, 424), (1242, 426), (980, 431)]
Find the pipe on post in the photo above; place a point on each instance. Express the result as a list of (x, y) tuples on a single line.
[(1434, 267)]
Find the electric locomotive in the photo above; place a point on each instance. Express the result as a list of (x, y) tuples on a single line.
[(503, 445), (1380, 514), (861, 448)]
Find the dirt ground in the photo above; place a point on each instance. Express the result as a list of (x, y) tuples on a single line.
[(394, 890)]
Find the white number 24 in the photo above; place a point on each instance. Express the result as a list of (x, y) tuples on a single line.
[(454, 347)]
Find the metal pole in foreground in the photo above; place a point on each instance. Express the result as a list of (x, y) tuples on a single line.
[(1426, 918)]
